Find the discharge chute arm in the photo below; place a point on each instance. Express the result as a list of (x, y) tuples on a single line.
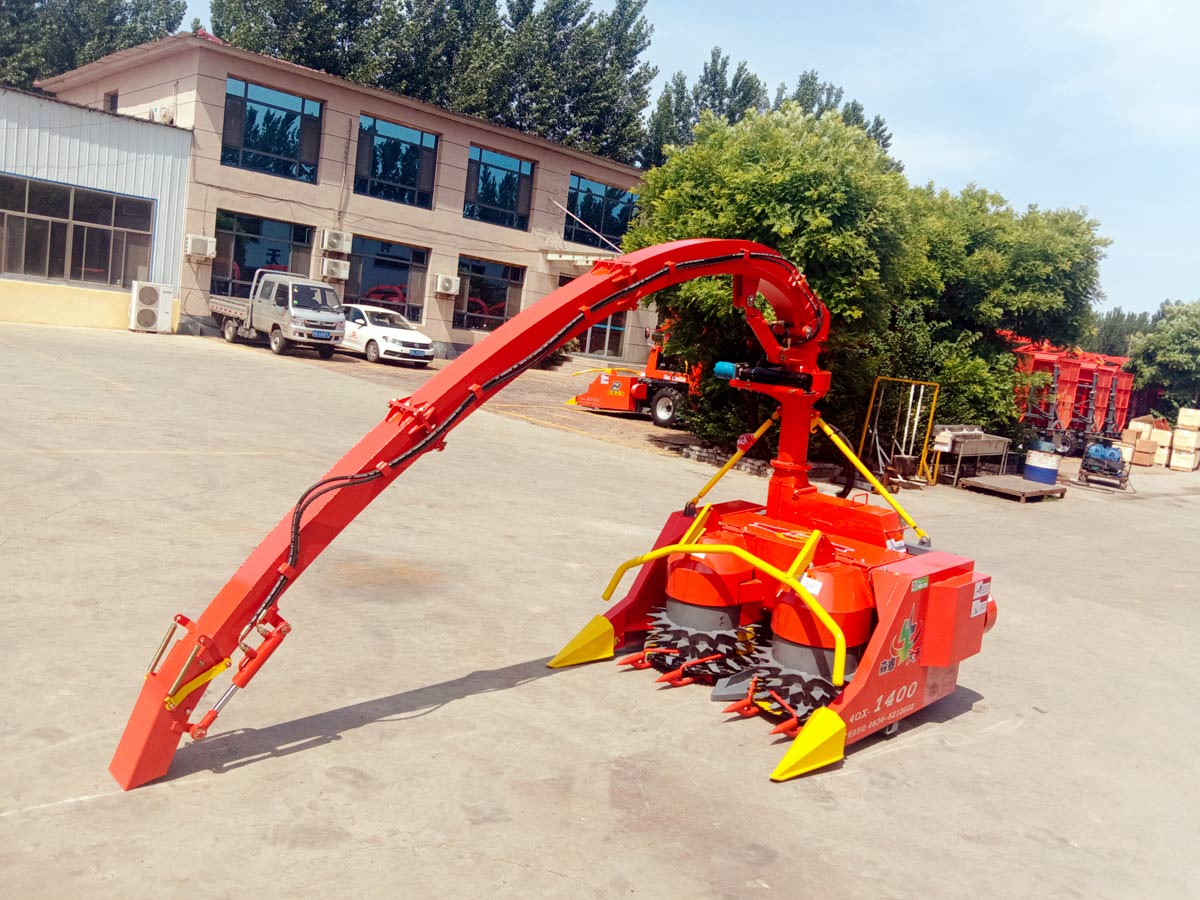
[(416, 425)]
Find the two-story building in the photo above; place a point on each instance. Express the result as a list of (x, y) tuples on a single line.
[(461, 222)]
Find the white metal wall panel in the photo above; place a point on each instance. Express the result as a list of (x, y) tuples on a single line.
[(42, 138)]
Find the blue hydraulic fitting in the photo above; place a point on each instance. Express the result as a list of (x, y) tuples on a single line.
[(725, 370)]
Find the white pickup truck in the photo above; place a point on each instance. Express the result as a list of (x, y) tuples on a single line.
[(287, 310)]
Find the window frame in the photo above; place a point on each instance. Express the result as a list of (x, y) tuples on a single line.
[(516, 216), (65, 239), (309, 132), (577, 233), (512, 276), (366, 152), (414, 282), (233, 282)]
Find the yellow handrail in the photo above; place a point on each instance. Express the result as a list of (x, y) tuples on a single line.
[(839, 638), (871, 479), (762, 429)]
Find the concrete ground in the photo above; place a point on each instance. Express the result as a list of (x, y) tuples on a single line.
[(408, 741)]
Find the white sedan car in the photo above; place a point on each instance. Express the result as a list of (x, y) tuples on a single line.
[(384, 334)]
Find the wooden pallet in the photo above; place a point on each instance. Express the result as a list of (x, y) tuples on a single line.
[(1013, 486)]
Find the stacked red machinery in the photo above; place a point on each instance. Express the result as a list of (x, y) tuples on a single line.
[(809, 609), (1085, 395)]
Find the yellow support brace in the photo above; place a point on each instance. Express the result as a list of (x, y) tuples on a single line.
[(839, 638), (804, 558), (871, 479), (762, 429), (203, 678)]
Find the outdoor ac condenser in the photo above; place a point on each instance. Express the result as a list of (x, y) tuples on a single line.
[(336, 241), (335, 268), (445, 284), (151, 306)]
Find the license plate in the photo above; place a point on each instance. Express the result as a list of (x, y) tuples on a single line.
[(415, 352), (325, 335)]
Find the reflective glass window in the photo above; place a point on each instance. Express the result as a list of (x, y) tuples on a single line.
[(489, 293), (388, 275), (395, 162), (270, 131), (246, 244), (499, 188), (598, 214)]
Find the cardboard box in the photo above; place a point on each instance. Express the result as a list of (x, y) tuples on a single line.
[(1130, 436), (1163, 457), (1143, 425), (1126, 451), (1185, 439), (1161, 436), (1188, 418), (1150, 447), (1185, 460), (1142, 458)]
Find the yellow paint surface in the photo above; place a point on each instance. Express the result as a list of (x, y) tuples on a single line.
[(39, 303)]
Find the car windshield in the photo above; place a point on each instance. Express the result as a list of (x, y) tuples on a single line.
[(308, 296), (388, 319)]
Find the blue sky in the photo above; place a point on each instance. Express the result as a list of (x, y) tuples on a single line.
[(1059, 103)]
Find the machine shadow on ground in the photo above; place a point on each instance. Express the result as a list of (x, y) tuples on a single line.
[(235, 749)]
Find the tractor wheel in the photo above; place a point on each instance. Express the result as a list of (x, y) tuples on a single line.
[(279, 344), (665, 408), (229, 331), (325, 352), (372, 352)]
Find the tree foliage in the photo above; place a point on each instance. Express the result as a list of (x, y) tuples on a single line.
[(731, 97), (42, 38), (1110, 333), (1169, 355), (917, 281)]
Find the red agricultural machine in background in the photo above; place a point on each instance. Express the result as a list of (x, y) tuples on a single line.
[(659, 389), (808, 609), (1085, 396)]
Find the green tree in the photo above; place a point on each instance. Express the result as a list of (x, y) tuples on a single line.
[(670, 123), (20, 50), (819, 191), (42, 38), (330, 35), (77, 32), (1170, 354), (1110, 333)]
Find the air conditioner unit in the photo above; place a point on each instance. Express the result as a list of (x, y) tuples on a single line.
[(199, 245), (337, 241), (151, 306), (335, 268), (445, 284), (162, 114)]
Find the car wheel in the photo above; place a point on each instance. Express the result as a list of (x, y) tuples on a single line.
[(325, 352), (665, 408), (279, 344), (372, 352), (229, 331)]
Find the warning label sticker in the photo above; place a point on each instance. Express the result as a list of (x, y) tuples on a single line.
[(983, 588)]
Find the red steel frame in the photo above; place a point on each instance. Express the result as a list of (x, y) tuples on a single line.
[(249, 601)]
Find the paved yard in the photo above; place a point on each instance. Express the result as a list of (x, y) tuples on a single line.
[(408, 741)]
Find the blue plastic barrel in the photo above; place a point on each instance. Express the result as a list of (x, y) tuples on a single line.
[(1042, 467)]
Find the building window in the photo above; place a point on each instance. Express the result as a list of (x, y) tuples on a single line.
[(246, 244), (604, 338), (269, 131), (388, 275), (499, 188), (395, 162), (110, 101), (73, 234), (489, 294), (602, 209)]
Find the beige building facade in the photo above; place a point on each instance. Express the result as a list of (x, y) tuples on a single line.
[(458, 221)]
